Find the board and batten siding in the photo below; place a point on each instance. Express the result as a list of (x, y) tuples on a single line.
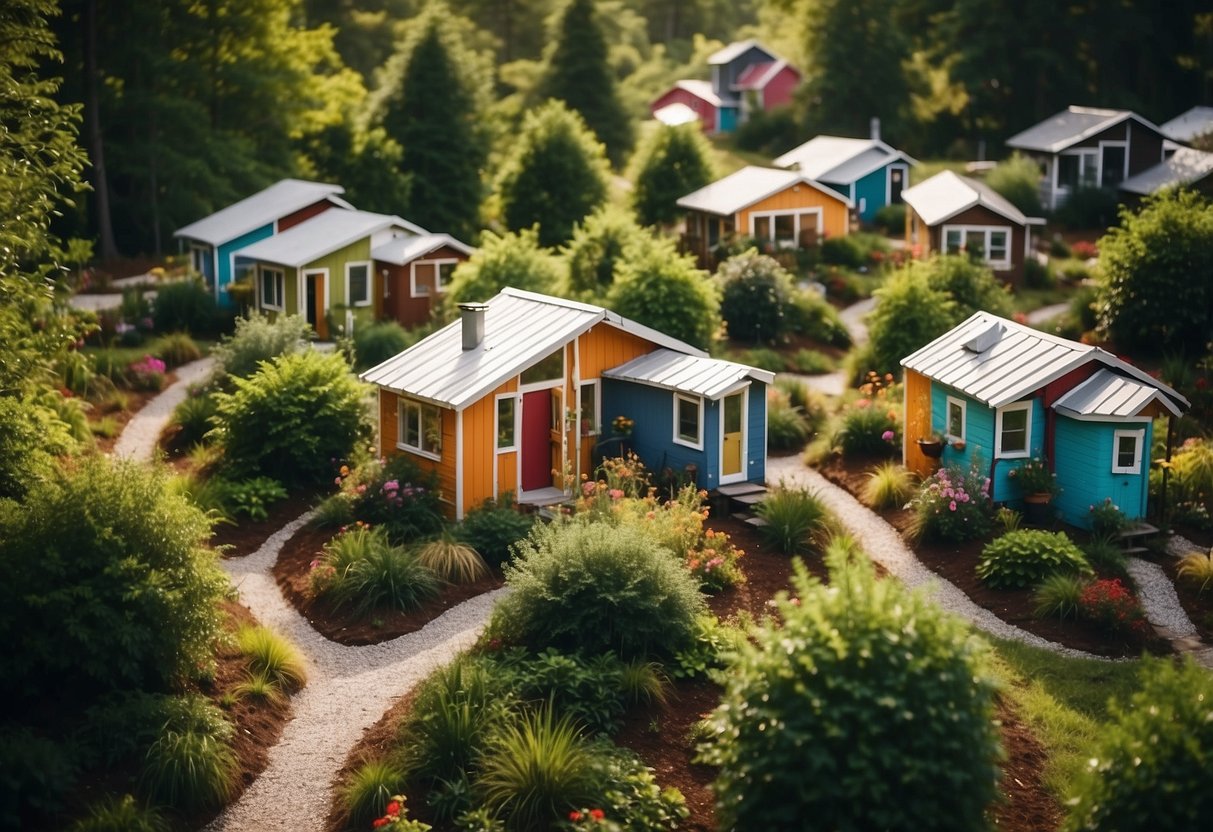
[(756, 433), (872, 192), (227, 262), (917, 423), (481, 479), (653, 435), (1086, 477), (444, 467)]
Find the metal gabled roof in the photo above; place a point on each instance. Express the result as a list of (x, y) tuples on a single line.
[(1187, 126), (520, 329), (1071, 126), (735, 50), (1004, 362), (321, 235), (1185, 166), (262, 208), (698, 375), (751, 184), (1107, 394), (402, 250), (699, 89), (947, 194)]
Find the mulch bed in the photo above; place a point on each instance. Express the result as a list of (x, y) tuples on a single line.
[(235, 540), (957, 563)]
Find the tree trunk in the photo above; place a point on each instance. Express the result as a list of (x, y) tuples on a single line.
[(96, 143)]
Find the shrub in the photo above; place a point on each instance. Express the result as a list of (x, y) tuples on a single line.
[(125, 814), (822, 717), (31, 439), (189, 767), (1059, 596), (754, 295), (586, 689), (809, 314), (587, 586), (1036, 275), (509, 259), (628, 792), (397, 497), (1150, 768), (1109, 604), (193, 418), (658, 287), (1024, 558), (362, 570), (1107, 520), (853, 251), (671, 163), (787, 429), (147, 374), (453, 561), (812, 362), (255, 340), (377, 342), (37, 773), (1108, 557), (953, 505), (108, 583), (271, 654), (206, 493), (492, 527), (289, 419), (175, 349), (1197, 568), (599, 245), (1007, 519), (1017, 179), (971, 285), (713, 641), (868, 430), (910, 314), (369, 790), (764, 358), (889, 486), (891, 219), (250, 497), (793, 518), (184, 306)]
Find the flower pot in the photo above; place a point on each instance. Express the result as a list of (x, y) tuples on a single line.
[(932, 448), (1037, 508)]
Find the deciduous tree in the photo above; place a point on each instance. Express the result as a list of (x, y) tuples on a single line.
[(673, 162)]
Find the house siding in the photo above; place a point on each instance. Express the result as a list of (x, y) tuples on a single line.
[(835, 216), (1085, 473), (303, 214), (652, 437), (704, 109), (400, 305), (226, 260), (443, 468), (873, 190), (756, 433), (779, 89), (980, 216)]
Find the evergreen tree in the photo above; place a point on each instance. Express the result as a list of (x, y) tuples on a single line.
[(556, 176), (674, 162), (579, 74), (432, 113)]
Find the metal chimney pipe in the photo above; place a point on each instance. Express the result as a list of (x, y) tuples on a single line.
[(472, 315), (875, 128)]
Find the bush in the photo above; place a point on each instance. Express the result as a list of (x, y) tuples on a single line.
[(1108, 557), (598, 247), (794, 518), (910, 314), (1197, 569), (516, 260), (787, 429), (369, 790), (35, 774), (587, 586), (764, 358), (671, 163), (629, 794), (1024, 558), (754, 295), (453, 561), (889, 486), (953, 505), (1059, 596), (397, 497), (255, 340), (492, 527), (809, 314), (287, 421), (274, 656), (971, 285), (1108, 603), (191, 764), (377, 342), (1107, 520), (658, 287), (812, 362), (1036, 275), (1018, 179), (1150, 769), (868, 430), (112, 814), (31, 439), (362, 570), (891, 219), (823, 717), (147, 374), (251, 497), (184, 306), (108, 583), (175, 349)]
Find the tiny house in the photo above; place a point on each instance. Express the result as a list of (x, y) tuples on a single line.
[(415, 272), (519, 396), (1000, 393)]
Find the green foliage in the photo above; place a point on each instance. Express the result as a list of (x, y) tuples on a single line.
[(579, 74), (909, 315), (31, 439), (513, 259), (400, 498), (1017, 179), (811, 316), (1108, 557), (754, 295), (193, 418), (555, 177), (255, 340), (191, 766), (795, 517), (1148, 300), (769, 132), (953, 504), (361, 570), (288, 420), (184, 306), (600, 244), (864, 428), (891, 219), (1107, 520), (589, 690), (377, 342), (889, 486), (1024, 558), (175, 349), (1148, 771), (274, 656), (663, 289), (491, 528), (125, 814), (578, 585), (108, 583), (453, 561), (671, 163), (787, 429), (879, 700), (1058, 596), (629, 793), (37, 772), (853, 251), (250, 497), (368, 791), (971, 285), (713, 642), (1197, 569)]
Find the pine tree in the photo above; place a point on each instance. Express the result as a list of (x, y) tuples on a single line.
[(674, 162), (579, 74)]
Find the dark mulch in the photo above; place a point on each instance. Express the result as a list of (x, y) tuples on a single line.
[(294, 564), (245, 536), (957, 563), (1198, 605)]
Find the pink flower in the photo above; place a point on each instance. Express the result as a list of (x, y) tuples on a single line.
[(887, 436), (587, 488), (616, 494), (952, 506)]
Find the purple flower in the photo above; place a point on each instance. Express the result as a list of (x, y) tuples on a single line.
[(887, 436)]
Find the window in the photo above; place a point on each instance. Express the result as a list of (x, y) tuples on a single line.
[(506, 424), (955, 428), (1067, 171), (990, 244), (358, 283), (996, 251), (589, 408), (549, 369), (688, 421), (273, 288), (420, 428), (1078, 169), (1126, 451), (1013, 431), (445, 270), (430, 277), (785, 228)]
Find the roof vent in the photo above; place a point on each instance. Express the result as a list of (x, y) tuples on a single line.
[(985, 338), (472, 315)]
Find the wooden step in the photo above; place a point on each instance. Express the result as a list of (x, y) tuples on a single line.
[(749, 500), (1140, 530), (737, 489), (1135, 550), (757, 522)]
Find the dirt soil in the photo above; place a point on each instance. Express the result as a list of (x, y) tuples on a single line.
[(235, 540)]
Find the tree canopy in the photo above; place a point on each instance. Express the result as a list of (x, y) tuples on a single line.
[(673, 162), (659, 287)]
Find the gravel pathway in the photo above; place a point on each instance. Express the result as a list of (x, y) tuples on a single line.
[(1047, 313), (139, 437), (1158, 599)]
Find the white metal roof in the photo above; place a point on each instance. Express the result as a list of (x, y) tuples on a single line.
[(401, 250), (751, 184), (947, 193), (1107, 394), (262, 208), (1187, 126), (675, 114), (520, 329), (698, 375), (1185, 166), (735, 50), (699, 89), (321, 235), (1071, 126), (1005, 361), (839, 159)]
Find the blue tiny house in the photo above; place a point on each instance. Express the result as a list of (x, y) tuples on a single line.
[(1000, 394), (868, 172)]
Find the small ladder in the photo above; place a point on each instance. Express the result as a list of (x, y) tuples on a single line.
[(1133, 538)]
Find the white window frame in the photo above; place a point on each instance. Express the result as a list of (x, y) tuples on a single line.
[(437, 263), (279, 278), (986, 231), (797, 225), (697, 401), (407, 404), (505, 449), (1085, 155), (199, 255), (947, 418), (1139, 438), (1027, 437), (370, 281)]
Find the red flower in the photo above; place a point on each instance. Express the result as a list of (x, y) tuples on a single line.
[(574, 815), (597, 814), (380, 822), (393, 808)]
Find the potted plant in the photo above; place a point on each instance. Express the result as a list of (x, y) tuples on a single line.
[(1039, 486), (622, 425), (932, 446)]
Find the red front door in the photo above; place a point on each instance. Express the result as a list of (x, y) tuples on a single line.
[(536, 440)]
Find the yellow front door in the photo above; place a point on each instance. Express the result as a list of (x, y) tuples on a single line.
[(731, 466)]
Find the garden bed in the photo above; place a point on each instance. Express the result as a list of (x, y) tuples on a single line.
[(235, 540)]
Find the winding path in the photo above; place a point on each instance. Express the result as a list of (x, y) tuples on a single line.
[(142, 432)]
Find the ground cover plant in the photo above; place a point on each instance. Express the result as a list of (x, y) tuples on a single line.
[(795, 520), (1023, 558), (362, 569)]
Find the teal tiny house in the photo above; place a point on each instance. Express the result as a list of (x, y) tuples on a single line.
[(1000, 393)]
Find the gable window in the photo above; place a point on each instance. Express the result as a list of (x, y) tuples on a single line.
[(419, 428), (1013, 431), (550, 368), (990, 244), (358, 283), (1126, 451), (688, 421), (955, 428), (273, 288), (506, 424)]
